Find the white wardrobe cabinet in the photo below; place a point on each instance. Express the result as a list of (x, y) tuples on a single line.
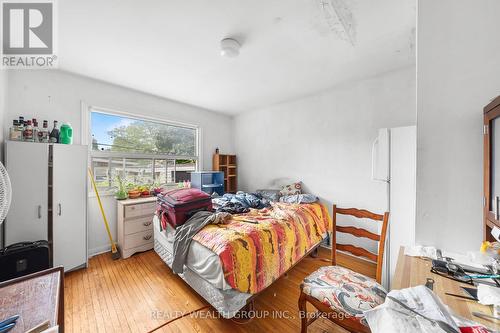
[(27, 165), (69, 208), (49, 199)]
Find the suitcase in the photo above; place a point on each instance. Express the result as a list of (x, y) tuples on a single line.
[(176, 206), (24, 258)]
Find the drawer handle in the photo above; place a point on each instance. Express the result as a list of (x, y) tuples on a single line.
[(147, 223), (148, 237)]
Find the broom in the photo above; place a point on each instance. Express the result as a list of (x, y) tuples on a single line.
[(114, 248)]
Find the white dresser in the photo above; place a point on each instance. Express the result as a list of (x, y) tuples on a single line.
[(135, 225)]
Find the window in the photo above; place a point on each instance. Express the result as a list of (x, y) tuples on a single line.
[(140, 152)]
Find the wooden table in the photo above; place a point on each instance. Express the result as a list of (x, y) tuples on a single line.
[(414, 271), (36, 298)]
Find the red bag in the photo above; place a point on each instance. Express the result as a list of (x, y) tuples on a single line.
[(176, 206)]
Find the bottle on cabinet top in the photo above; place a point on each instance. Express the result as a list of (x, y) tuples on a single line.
[(16, 131), (31, 131), (43, 134), (36, 130), (54, 134), (28, 132), (66, 134)]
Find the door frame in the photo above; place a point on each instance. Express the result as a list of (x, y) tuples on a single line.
[(491, 112)]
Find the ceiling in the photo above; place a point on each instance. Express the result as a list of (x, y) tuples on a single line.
[(289, 48)]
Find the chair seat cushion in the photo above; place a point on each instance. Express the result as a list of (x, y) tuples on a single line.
[(344, 290)]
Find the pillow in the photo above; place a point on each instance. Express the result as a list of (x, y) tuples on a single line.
[(299, 198), (291, 189), (270, 195)]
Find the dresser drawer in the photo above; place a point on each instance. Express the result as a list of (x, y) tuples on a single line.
[(139, 224), (132, 211), (138, 239)]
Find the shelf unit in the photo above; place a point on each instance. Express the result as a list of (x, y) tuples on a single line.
[(208, 181), (227, 164)]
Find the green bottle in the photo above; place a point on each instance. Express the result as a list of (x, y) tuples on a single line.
[(66, 134)]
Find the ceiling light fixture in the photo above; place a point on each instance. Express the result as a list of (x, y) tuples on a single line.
[(229, 47)]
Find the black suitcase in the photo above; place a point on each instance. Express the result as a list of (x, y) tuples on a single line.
[(23, 258)]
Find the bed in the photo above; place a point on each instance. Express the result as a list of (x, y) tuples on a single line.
[(229, 264)]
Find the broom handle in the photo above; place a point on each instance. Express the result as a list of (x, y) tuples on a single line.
[(113, 248)]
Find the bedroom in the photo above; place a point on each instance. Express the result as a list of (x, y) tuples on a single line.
[(378, 106)]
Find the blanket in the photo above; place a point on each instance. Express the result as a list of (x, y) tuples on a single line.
[(184, 235), (239, 203), (256, 248)]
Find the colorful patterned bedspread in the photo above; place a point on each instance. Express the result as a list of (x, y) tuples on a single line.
[(256, 248)]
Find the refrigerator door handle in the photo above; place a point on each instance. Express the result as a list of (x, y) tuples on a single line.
[(374, 158)]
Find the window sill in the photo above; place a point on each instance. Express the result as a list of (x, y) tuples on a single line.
[(111, 193), (102, 194)]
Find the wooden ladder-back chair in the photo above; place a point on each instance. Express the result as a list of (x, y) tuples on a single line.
[(340, 294)]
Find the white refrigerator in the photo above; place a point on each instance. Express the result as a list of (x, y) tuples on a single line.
[(394, 162)]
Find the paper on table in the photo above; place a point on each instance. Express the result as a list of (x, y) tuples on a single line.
[(392, 317), (421, 251), (472, 259), (488, 295)]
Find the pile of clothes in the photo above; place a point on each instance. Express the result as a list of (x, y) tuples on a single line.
[(239, 203)]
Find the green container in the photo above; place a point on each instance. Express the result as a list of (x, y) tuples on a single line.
[(66, 134)]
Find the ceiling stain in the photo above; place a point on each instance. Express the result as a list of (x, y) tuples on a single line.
[(337, 17)]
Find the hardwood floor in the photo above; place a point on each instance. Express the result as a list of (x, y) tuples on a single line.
[(140, 293)]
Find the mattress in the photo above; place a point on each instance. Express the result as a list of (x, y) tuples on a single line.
[(200, 260), (226, 301)]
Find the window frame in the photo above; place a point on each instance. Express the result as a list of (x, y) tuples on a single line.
[(109, 155)]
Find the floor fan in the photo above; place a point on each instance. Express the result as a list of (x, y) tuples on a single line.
[(5, 198), (5, 193)]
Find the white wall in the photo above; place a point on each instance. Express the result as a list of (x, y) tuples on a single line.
[(28, 93), (458, 74), (403, 192), (325, 140)]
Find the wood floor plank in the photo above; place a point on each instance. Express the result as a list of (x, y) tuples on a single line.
[(81, 305), (142, 310), (125, 297), (68, 295), (114, 293), (140, 293), (98, 300), (93, 314), (105, 298), (109, 298)]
